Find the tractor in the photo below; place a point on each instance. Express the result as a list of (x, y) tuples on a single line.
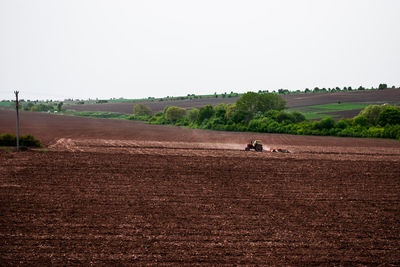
[(254, 144)]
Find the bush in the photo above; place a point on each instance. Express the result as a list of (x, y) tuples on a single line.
[(141, 110), (361, 121), (376, 132), (29, 140), (372, 113), (174, 113), (390, 115), (252, 102), (343, 123), (235, 115), (8, 139), (192, 114), (382, 86), (285, 116), (298, 117), (220, 110), (205, 113), (326, 123), (139, 118), (42, 107)]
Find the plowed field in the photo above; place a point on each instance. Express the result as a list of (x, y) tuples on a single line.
[(293, 101), (120, 192)]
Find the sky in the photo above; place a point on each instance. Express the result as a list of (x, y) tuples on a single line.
[(54, 49)]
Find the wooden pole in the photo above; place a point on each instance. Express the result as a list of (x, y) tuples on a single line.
[(17, 107)]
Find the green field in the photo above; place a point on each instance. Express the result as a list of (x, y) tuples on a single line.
[(5, 103), (100, 114), (320, 111)]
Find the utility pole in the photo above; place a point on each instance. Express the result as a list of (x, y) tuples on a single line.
[(17, 107)]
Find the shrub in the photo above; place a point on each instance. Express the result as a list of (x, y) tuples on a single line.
[(192, 114), (375, 132), (28, 106), (382, 86), (205, 113), (326, 123), (42, 107), (343, 123), (220, 110), (298, 117), (8, 139), (361, 120), (372, 113), (174, 113), (141, 110), (390, 115), (252, 102), (285, 116), (29, 140)]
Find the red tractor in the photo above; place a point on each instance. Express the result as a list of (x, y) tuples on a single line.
[(256, 145)]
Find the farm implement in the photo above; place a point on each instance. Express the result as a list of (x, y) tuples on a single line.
[(257, 146)]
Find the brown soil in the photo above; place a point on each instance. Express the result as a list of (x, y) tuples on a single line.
[(112, 192), (344, 113), (294, 100), (390, 96)]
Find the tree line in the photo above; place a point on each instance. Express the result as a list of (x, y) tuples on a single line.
[(264, 112)]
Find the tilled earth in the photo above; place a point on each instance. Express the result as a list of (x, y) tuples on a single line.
[(138, 203), (110, 192)]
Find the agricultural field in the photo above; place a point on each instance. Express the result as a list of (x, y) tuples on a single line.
[(345, 110), (351, 103), (124, 192)]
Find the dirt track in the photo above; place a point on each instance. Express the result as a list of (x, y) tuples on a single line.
[(121, 192)]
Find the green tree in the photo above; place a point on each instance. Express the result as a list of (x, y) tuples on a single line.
[(299, 117), (174, 113), (361, 120), (285, 117), (142, 110), (205, 112), (326, 123), (372, 113), (382, 86), (42, 107), (390, 115), (234, 114), (59, 106), (28, 106), (192, 114), (343, 123), (252, 103), (220, 110)]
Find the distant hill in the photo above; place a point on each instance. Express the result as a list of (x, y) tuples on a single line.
[(391, 96)]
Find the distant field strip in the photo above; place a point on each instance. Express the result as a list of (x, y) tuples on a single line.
[(320, 111), (5, 104), (101, 114)]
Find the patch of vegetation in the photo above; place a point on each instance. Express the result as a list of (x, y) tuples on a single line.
[(101, 114), (319, 111), (6, 103), (142, 110), (8, 139), (317, 115), (260, 116)]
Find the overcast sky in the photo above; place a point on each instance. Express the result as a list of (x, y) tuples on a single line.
[(101, 49)]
